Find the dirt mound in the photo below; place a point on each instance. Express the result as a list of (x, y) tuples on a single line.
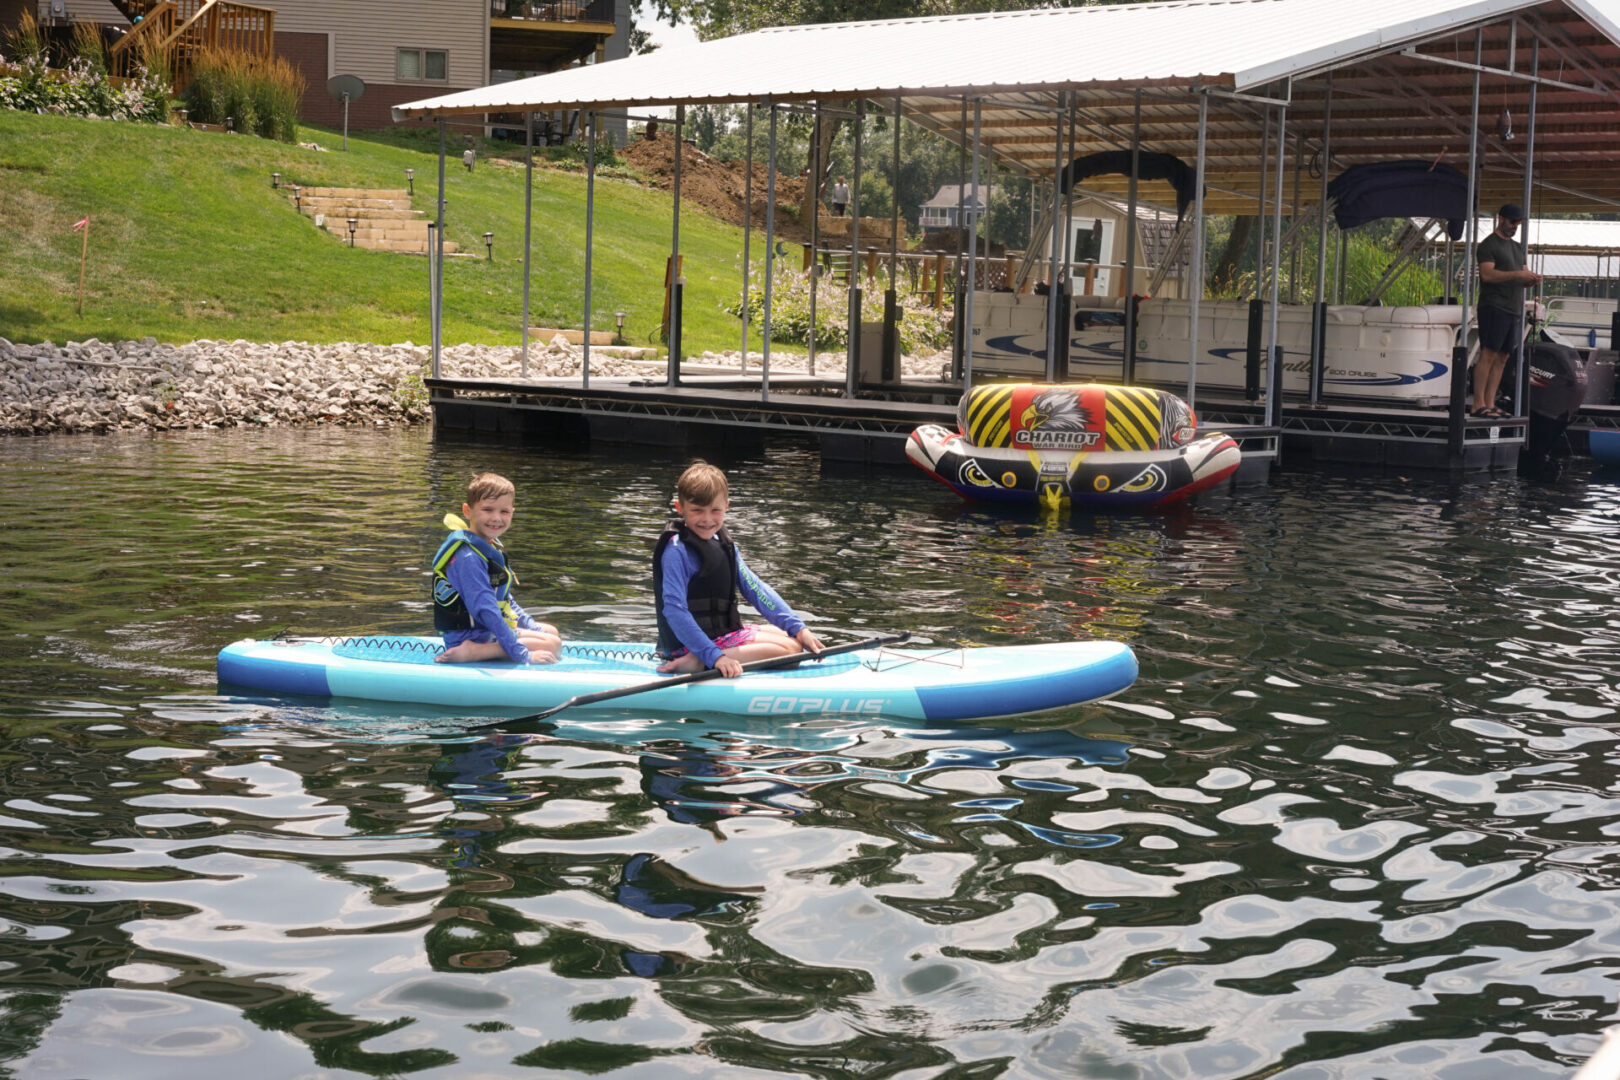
[(717, 186)]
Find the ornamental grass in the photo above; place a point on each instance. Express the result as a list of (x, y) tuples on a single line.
[(254, 96)]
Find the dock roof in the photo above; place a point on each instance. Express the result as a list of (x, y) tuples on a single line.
[(1402, 81)]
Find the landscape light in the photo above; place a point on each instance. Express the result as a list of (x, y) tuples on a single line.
[(352, 223), (275, 179), (489, 245), (230, 123), (619, 315), (410, 178), (298, 200)]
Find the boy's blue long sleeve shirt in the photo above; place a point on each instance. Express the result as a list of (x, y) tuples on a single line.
[(468, 574), (680, 564)]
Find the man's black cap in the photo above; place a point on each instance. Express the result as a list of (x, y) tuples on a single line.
[(1512, 211)]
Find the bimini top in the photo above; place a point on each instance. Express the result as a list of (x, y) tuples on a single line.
[(1149, 166), (1383, 189)]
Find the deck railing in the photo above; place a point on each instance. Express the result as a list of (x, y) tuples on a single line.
[(555, 10), (175, 33)]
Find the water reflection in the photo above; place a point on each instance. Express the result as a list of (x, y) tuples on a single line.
[(1357, 818)]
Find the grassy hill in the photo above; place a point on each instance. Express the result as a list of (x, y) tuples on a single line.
[(188, 240)]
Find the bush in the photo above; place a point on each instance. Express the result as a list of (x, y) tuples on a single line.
[(922, 328), (571, 155), (1368, 252), (258, 97), (81, 89)]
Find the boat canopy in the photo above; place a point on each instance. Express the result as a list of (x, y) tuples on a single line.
[(1376, 78), (1408, 189)]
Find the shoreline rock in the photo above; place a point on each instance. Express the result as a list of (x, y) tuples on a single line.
[(96, 386)]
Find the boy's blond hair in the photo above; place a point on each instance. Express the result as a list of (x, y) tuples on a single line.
[(702, 484), (488, 486)]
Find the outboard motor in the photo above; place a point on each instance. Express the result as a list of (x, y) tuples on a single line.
[(1557, 391)]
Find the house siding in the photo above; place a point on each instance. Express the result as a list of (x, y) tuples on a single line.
[(310, 54), (12, 11), (367, 34), (95, 11)]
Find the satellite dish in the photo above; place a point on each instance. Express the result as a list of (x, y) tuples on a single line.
[(352, 85), (346, 88)]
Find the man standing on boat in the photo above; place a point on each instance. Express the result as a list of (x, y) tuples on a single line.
[(1502, 278)]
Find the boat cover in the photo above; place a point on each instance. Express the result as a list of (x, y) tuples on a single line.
[(1149, 166), (1382, 189)]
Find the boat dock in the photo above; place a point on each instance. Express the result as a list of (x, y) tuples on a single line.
[(642, 411), (872, 430), (1350, 368)]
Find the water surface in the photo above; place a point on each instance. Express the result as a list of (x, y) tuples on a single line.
[(1357, 819)]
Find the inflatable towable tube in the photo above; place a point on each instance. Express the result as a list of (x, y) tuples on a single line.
[(1089, 445)]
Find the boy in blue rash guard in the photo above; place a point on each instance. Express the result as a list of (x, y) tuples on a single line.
[(697, 572), (473, 606)]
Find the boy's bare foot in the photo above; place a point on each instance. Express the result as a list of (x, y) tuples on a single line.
[(683, 665), (456, 655)]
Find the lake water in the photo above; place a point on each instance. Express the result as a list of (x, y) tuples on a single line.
[(1358, 818)]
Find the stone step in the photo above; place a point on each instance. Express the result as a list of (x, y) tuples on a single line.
[(355, 193), (338, 223), (384, 220), (342, 231), (408, 247), (371, 221), (392, 217), (351, 206)]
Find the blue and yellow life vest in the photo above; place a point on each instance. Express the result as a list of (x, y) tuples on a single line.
[(449, 609)]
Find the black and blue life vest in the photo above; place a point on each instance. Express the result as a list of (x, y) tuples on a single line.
[(711, 595), (449, 609)]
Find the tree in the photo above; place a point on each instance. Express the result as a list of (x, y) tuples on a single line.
[(1006, 221), (640, 40), (726, 18), (1224, 271)]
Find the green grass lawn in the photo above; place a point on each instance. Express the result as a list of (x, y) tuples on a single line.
[(188, 240)]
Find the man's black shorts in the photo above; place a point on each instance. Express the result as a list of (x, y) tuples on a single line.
[(1499, 330)]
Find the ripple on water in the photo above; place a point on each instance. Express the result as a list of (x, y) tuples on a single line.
[(1355, 819)]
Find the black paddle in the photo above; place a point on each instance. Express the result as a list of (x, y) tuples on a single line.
[(772, 664)]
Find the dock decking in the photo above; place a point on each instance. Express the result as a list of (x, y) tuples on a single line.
[(873, 430)]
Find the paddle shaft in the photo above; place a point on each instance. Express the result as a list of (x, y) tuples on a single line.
[(772, 664)]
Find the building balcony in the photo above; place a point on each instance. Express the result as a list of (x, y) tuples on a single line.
[(600, 11), (526, 35)]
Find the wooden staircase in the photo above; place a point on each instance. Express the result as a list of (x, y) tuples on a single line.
[(383, 218), (176, 32)]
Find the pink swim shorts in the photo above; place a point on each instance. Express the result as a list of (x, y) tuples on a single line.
[(727, 640)]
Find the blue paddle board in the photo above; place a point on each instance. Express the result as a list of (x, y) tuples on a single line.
[(915, 683)]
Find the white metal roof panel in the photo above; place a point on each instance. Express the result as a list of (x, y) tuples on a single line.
[(1401, 85), (1237, 43), (1578, 267), (1564, 236)]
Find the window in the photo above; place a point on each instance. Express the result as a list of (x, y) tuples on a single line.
[(422, 65), (1093, 243)]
